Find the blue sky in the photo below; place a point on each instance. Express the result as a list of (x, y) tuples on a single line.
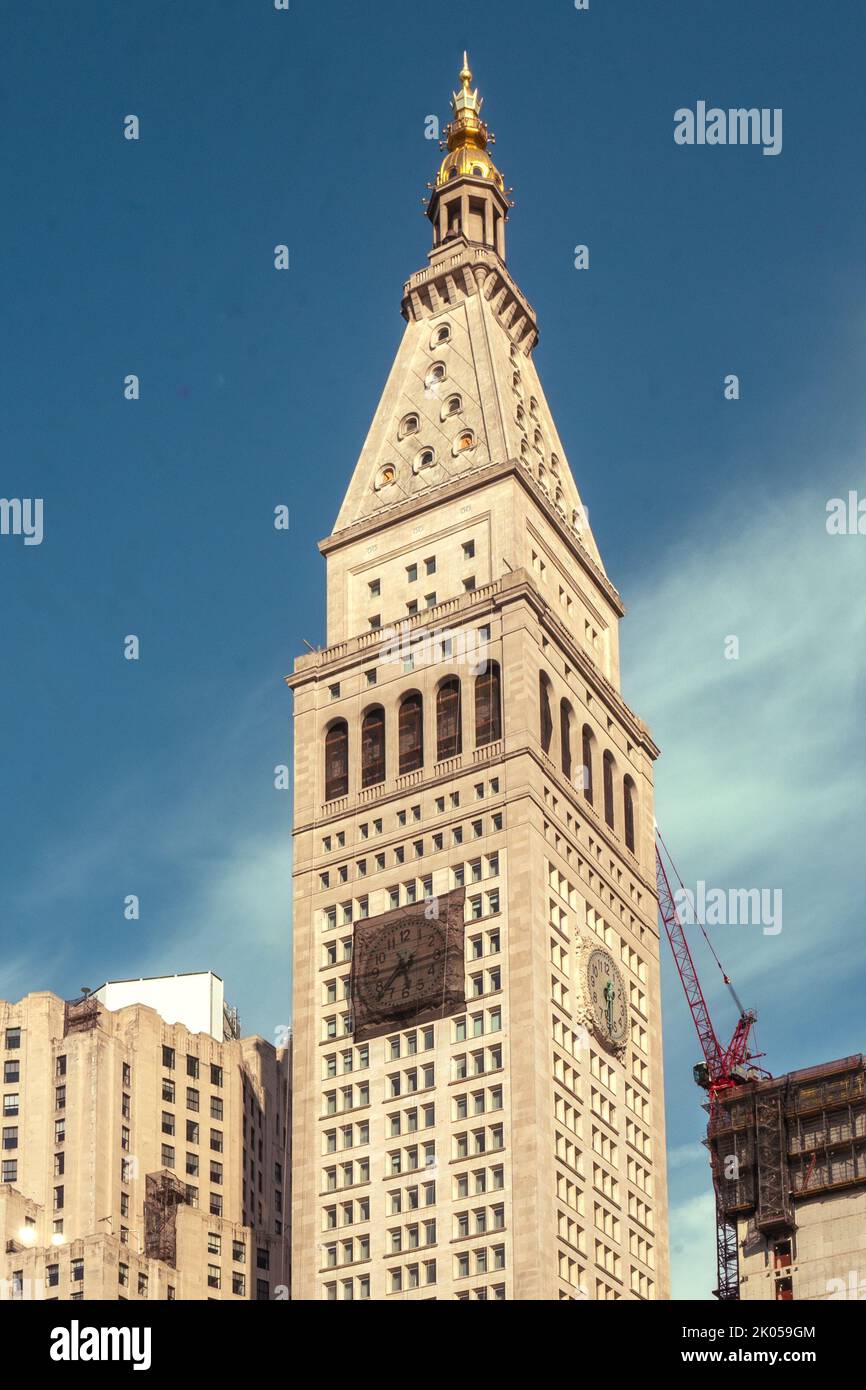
[(155, 777)]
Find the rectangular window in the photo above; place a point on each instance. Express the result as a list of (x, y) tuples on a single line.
[(13, 1038)]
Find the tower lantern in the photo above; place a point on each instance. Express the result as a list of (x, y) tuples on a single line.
[(468, 202)]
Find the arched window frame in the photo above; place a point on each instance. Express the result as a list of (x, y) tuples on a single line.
[(373, 746), (336, 760), (488, 705), (545, 712), (449, 719), (629, 798), (410, 732), (587, 741), (566, 721), (607, 777)]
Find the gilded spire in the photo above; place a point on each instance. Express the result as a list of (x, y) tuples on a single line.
[(467, 137)]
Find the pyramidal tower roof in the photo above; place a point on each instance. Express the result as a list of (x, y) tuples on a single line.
[(463, 392)]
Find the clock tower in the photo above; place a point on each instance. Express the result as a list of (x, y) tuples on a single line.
[(477, 1098)]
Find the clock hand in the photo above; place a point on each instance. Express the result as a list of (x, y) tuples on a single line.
[(401, 968)]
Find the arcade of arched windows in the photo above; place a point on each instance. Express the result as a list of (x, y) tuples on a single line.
[(412, 732), (574, 748)]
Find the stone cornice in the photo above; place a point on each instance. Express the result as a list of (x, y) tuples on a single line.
[(470, 482), (515, 587), (473, 268)]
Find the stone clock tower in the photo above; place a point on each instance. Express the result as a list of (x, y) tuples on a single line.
[(462, 736)]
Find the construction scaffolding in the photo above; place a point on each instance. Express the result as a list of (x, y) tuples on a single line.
[(80, 1015), (776, 1142), (164, 1193)]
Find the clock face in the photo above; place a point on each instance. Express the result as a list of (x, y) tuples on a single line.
[(607, 997), (402, 968)]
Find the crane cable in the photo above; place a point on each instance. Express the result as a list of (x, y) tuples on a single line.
[(676, 874)]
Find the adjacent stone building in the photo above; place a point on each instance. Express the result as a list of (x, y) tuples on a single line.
[(140, 1159), (464, 729)]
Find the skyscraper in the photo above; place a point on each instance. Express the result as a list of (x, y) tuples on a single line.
[(469, 778)]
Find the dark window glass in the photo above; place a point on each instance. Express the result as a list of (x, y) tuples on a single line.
[(565, 736), (488, 706), (411, 733), (608, 788), (449, 736), (628, 808), (587, 763), (373, 747), (545, 716), (337, 760)]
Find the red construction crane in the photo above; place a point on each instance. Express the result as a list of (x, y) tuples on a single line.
[(722, 1067)]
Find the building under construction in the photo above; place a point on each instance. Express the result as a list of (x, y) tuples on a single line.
[(789, 1159)]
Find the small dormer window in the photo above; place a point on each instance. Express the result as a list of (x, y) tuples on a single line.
[(443, 333), (554, 465), (533, 407), (386, 476), (465, 440), (425, 459), (408, 425), (538, 441), (453, 405), (515, 381)]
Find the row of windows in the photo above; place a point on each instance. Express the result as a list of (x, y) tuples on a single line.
[(410, 731), (402, 818), (169, 1059), (193, 1099)]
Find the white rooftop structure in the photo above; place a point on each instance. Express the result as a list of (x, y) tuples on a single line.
[(196, 1000)]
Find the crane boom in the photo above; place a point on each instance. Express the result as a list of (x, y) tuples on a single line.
[(713, 1055), (722, 1067)]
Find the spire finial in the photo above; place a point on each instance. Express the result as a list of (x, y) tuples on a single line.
[(465, 72)]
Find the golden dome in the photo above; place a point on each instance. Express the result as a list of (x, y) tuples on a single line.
[(467, 137)]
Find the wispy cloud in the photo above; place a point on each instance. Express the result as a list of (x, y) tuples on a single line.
[(760, 784), (208, 851)]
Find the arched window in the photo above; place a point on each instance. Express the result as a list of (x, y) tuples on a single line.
[(488, 706), (411, 732), (373, 747), (544, 712), (449, 736), (337, 760), (565, 721), (628, 797), (408, 425), (608, 788), (586, 753)]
